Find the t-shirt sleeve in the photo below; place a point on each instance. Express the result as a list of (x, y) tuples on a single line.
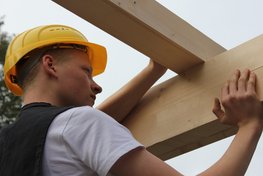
[(97, 139)]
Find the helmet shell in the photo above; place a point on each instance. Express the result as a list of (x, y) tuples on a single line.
[(44, 36)]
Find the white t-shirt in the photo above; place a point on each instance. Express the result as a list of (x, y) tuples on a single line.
[(84, 141)]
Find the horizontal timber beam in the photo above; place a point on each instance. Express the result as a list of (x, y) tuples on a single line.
[(150, 28), (175, 117)]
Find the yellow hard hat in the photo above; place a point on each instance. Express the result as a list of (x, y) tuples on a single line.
[(43, 36)]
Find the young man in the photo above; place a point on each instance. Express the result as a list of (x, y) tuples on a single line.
[(58, 132)]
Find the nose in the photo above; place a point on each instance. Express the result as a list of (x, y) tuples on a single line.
[(95, 87)]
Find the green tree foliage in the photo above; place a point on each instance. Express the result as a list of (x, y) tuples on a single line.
[(9, 104)]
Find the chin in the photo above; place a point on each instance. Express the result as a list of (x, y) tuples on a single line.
[(78, 104), (88, 104)]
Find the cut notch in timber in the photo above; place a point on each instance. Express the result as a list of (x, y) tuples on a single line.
[(176, 116), (150, 28), (167, 39)]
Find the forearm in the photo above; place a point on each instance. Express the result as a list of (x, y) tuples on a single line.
[(236, 159), (123, 101)]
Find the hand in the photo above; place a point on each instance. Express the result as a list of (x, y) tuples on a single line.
[(240, 101), (158, 68)]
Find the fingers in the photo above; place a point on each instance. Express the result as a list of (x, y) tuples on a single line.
[(158, 68), (238, 98), (217, 109), (233, 83), (251, 84), (225, 90), (242, 82)]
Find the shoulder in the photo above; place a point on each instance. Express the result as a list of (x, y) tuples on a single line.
[(82, 110), (75, 118), (85, 114), (92, 136), (88, 119)]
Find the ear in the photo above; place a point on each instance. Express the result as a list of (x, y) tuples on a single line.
[(48, 62)]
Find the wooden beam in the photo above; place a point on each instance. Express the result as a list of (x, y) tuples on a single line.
[(175, 117), (150, 28)]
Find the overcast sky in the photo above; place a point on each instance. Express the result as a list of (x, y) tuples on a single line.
[(228, 22)]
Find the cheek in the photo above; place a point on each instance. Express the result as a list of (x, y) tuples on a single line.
[(83, 83), (76, 81)]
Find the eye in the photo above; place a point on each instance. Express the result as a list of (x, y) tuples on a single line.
[(88, 70)]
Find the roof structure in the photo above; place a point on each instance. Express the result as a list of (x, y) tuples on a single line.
[(174, 117)]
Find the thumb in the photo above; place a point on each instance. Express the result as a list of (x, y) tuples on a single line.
[(217, 110)]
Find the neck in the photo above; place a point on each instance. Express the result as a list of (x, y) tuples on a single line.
[(27, 99), (39, 94)]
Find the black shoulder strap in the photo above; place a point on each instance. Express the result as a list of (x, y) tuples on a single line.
[(22, 143)]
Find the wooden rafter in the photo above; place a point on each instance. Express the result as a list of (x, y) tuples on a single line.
[(175, 116), (150, 28)]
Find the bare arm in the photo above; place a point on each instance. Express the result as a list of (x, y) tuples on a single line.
[(123, 101), (242, 108), (142, 163)]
